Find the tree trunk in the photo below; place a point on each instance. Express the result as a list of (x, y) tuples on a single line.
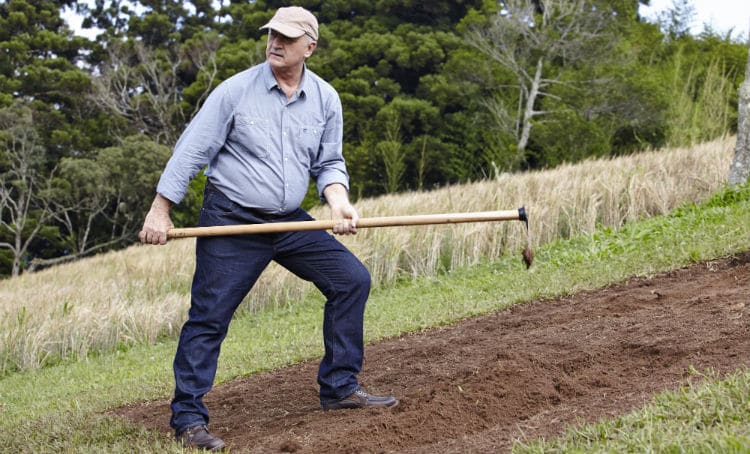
[(529, 112), (740, 169)]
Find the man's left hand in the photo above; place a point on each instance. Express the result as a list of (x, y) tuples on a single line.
[(342, 210)]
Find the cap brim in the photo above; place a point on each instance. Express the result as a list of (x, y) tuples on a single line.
[(284, 29)]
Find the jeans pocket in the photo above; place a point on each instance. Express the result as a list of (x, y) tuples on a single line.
[(217, 209)]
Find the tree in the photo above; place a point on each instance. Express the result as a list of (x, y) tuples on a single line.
[(100, 202), (740, 169), (157, 23), (144, 86), (84, 194), (677, 20), (41, 63), (537, 41), (393, 156), (25, 206)]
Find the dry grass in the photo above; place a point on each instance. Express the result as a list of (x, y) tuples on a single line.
[(141, 294)]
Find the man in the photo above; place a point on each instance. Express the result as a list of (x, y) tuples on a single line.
[(263, 134)]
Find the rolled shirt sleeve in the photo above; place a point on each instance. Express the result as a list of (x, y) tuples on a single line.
[(330, 167), (198, 145)]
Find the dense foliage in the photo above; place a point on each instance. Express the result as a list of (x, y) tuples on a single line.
[(434, 93)]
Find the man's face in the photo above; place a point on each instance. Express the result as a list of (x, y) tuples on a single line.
[(285, 52)]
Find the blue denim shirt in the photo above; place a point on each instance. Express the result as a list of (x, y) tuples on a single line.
[(260, 147)]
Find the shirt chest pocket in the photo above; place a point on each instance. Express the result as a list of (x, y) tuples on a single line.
[(253, 134), (308, 138)]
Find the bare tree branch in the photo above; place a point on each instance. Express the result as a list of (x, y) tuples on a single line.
[(523, 42), (142, 85), (24, 184)]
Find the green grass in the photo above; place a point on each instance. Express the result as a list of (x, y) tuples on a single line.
[(711, 417), (63, 408)]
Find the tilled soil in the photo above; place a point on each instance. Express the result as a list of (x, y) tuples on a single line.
[(527, 372)]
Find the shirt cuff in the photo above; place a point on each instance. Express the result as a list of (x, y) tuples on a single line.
[(329, 178)]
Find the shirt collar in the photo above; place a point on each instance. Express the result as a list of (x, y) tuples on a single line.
[(271, 83)]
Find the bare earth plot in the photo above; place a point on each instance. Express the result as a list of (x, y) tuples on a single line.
[(518, 374)]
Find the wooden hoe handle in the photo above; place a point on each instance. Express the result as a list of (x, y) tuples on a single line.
[(387, 221)]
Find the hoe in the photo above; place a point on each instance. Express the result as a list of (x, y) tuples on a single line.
[(387, 221)]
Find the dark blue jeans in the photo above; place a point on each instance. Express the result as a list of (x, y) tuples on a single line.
[(226, 269)]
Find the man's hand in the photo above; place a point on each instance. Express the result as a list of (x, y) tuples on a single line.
[(157, 222), (341, 209)]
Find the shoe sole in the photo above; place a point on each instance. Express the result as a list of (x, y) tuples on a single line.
[(333, 408)]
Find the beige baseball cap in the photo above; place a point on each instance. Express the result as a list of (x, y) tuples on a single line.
[(294, 21)]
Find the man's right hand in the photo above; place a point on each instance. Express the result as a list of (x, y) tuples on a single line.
[(157, 222)]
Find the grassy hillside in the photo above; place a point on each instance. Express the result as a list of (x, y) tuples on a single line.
[(140, 295), (61, 407)]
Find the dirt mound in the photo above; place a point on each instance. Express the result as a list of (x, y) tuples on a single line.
[(518, 374)]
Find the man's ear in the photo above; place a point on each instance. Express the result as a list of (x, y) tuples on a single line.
[(310, 48)]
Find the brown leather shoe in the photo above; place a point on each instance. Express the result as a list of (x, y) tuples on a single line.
[(200, 437), (361, 399)]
